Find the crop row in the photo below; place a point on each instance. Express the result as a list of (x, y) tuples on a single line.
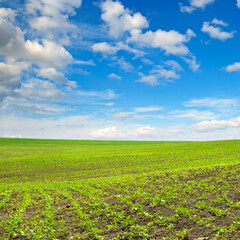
[(180, 205)]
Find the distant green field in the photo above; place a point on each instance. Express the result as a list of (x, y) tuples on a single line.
[(67, 189)]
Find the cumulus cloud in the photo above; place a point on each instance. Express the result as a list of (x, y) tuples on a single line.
[(54, 75), (214, 31), (109, 132), (238, 3), (44, 53), (219, 22), (146, 132), (11, 38), (114, 76), (34, 96), (7, 14), (84, 127), (104, 48), (172, 42), (122, 64), (45, 58), (151, 80), (192, 62), (39, 89), (209, 126), (125, 47), (195, 4), (107, 49), (235, 67), (51, 14), (162, 73), (10, 76), (119, 19), (174, 65)]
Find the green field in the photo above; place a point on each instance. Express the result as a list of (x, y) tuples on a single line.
[(66, 189)]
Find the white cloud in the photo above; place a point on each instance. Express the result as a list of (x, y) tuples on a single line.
[(43, 23), (151, 80), (18, 91), (219, 22), (216, 32), (148, 109), (187, 9), (133, 132), (57, 77), (72, 127), (235, 67), (136, 52), (104, 48), (200, 3), (7, 15), (114, 76), (194, 114), (174, 65), (39, 89), (107, 49), (6, 135), (137, 113), (213, 102), (119, 19), (11, 38), (105, 95), (51, 14), (162, 74), (172, 42), (238, 3), (88, 97), (34, 96), (89, 62), (109, 132), (83, 127), (10, 73), (191, 60), (147, 61), (12, 44), (22, 105), (195, 4), (44, 52), (47, 54), (209, 126), (145, 131), (149, 132), (122, 115), (123, 64)]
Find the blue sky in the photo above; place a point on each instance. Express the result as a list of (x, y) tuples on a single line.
[(138, 70)]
